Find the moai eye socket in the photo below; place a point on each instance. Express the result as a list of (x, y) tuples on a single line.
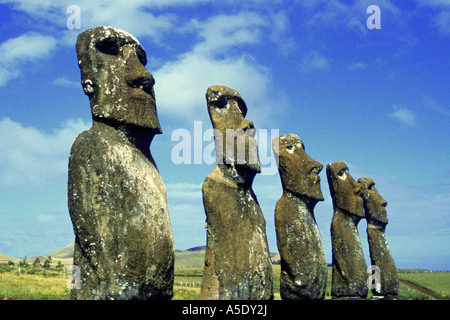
[(220, 104), (142, 56), (108, 46), (112, 46)]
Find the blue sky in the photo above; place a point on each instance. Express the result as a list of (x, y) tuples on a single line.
[(377, 99)]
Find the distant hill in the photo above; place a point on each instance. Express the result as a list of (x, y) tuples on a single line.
[(63, 253), (197, 248), (5, 259), (192, 257)]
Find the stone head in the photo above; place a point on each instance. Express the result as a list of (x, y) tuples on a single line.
[(234, 135), (345, 191), (374, 204), (298, 172), (113, 75)]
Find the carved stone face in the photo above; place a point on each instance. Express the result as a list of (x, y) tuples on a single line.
[(299, 173), (374, 204), (344, 190), (234, 135), (113, 75)]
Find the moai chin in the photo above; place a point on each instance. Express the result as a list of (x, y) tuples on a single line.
[(303, 262), (237, 260), (117, 199), (380, 255), (349, 277)]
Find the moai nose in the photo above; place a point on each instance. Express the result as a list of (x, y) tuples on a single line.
[(137, 75)]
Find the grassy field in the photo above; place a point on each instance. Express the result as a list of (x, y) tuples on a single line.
[(435, 281), (51, 284), (40, 284), (32, 287)]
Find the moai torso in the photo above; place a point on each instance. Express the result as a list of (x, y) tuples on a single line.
[(380, 255), (117, 199), (303, 262), (237, 263), (349, 277), (237, 259)]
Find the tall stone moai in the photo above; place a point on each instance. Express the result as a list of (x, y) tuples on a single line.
[(349, 277), (117, 200), (303, 262), (387, 281), (237, 260)]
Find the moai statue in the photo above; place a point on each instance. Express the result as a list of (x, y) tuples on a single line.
[(303, 262), (349, 277), (117, 200), (237, 259), (386, 281)]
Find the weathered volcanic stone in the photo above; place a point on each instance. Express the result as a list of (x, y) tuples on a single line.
[(380, 255), (117, 199), (303, 262), (349, 277), (237, 259)]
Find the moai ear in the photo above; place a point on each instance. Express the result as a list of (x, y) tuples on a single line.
[(88, 87)]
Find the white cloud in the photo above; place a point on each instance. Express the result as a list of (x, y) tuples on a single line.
[(225, 32), (443, 21), (314, 61), (435, 3), (66, 82), (433, 104), (442, 18), (340, 14), (132, 16), (31, 158), (403, 115), (181, 84), (357, 66), (281, 33), (7, 74), (25, 48), (185, 191)]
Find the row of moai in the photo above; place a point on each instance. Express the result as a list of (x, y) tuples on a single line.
[(124, 246), (237, 261)]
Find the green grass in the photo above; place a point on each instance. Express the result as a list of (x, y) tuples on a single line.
[(436, 281), (14, 286), (190, 258), (184, 293), (412, 294), (51, 284)]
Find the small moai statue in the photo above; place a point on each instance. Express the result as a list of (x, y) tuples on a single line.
[(386, 278), (349, 277), (303, 262), (237, 259), (124, 245)]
